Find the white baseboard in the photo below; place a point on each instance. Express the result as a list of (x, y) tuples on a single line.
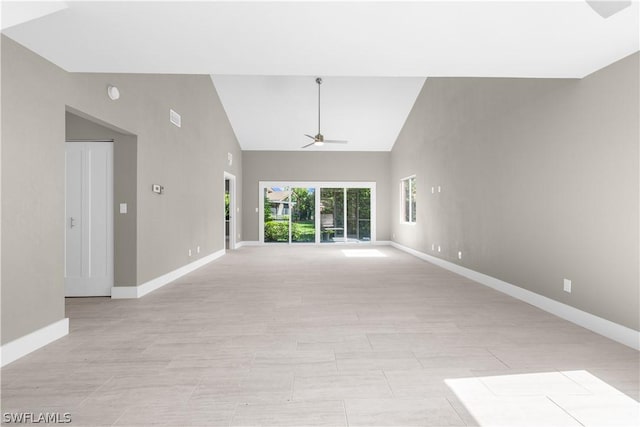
[(256, 243), (248, 243), (607, 328), (26, 344), (124, 292)]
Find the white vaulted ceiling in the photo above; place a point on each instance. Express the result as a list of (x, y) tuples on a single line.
[(270, 112), (373, 55)]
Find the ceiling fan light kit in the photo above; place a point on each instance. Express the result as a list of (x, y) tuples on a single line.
[(319, 140)]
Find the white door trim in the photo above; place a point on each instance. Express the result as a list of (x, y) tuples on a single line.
[(233, 212)]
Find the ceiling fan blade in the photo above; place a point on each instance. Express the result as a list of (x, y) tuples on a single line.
[(312, 137), (336, 141), (308, 145)]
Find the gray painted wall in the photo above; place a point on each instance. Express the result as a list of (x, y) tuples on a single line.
[(32, 194), (314, 166), (539, 183), (124, 191), (189, 162)]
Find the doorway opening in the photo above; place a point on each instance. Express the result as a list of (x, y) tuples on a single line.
[(110, 231), (230, 211)]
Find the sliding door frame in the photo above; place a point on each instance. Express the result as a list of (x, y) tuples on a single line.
[(317, 185)]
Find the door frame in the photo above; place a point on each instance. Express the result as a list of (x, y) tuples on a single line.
[(317, 185), (233, 211), (110, 214)]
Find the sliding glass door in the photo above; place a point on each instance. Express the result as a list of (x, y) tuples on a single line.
[(331, 215), (317, 212), (358, 214), (276, 213), (289, 214), (303, 214), (345, 215)]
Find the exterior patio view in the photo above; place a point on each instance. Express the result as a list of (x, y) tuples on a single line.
[(289, 215), (315, 214)]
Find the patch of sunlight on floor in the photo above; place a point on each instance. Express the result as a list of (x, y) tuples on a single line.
[(363, 253), (568, 398)]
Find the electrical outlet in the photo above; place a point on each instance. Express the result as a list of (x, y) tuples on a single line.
[(198, 249), (433, 247), (439, 248), (433, 190), (439, 189), (459, 254), (189, 252), (567, 285)]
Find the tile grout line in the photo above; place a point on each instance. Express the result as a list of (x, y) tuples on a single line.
[(235, 412), (346, 417), (388, 383), (564, 410), (293, 383), (456, 411), (500, 360), (194, 390), (575, 382), (115, 422), (96, 390), (369, 341), (416, 357)]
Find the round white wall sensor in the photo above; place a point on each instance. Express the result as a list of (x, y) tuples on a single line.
[(113, 92)]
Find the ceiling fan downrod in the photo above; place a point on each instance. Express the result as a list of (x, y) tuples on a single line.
[(319, 81)]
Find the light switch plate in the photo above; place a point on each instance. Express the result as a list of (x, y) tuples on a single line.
[(123, 208), (175, 118)]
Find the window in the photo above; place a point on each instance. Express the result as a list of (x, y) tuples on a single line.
[(408, 192)]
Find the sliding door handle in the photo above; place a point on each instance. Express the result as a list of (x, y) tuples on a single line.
[(72, 222)]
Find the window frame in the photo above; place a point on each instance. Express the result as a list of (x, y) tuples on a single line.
[(410, 182), (318, 186)]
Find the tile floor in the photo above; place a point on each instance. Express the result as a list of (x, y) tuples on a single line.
[(297, 336)]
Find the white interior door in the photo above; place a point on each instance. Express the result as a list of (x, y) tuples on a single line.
[(89, 219)]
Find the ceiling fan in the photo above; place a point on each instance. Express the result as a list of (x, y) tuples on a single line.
[(319, 138)]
